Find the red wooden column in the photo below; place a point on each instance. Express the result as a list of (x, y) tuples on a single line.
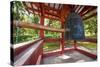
[(62, 40), (41, 33), (41, 30), (64, 11), (42, 21), (75, 44)]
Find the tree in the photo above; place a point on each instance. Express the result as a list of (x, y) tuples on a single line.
[(53, 24), (20, 14), (91, 26)]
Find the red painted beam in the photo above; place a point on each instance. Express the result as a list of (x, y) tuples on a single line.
[(52, 14), (51, 17), (36, 26), (93, 40), (52, 40), (87, 54)]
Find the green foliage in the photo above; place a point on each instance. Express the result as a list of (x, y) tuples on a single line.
[(25, 34), (17, 10), (20, 14), (91, 26), (53, 24)]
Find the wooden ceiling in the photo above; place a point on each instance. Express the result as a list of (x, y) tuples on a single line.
[(59, 11)]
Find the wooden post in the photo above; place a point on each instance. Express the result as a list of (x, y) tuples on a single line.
[(41, 30), (63, 12), (42, 21), (62, 41), (75, 44)]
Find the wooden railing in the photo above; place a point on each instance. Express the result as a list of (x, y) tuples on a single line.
[(36, 26), (29, 53), (93, 40), (89, 54)]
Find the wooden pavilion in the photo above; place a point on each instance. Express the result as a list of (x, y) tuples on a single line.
[(32, 53)]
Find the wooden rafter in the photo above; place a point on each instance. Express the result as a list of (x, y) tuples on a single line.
[(54, 6), (26, 7), (50, 8), (90, 16), (81, 9), (89, 10), (64, 12), (59, 6), (50, 17), (84, 9), (59, 13), (77, 9), (32, 7), (48, 13)]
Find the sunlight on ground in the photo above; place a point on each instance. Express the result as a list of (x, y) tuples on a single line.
[(64, 57)]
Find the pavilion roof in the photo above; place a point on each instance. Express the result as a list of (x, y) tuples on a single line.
[(59, 11)]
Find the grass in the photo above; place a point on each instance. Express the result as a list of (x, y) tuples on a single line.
[(88, 45), (53, 46), (50, 46)]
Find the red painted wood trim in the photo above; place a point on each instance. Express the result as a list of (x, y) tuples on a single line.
[(93, 40), (75, 44), (52, 39), (22, 48), (87, 54), (32, 60)]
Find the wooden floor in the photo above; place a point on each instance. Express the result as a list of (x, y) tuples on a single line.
[(68, 57)]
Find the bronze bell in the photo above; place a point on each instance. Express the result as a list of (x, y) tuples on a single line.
[(74, 23)]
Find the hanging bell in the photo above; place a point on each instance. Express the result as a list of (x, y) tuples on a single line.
[(75, 24)]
